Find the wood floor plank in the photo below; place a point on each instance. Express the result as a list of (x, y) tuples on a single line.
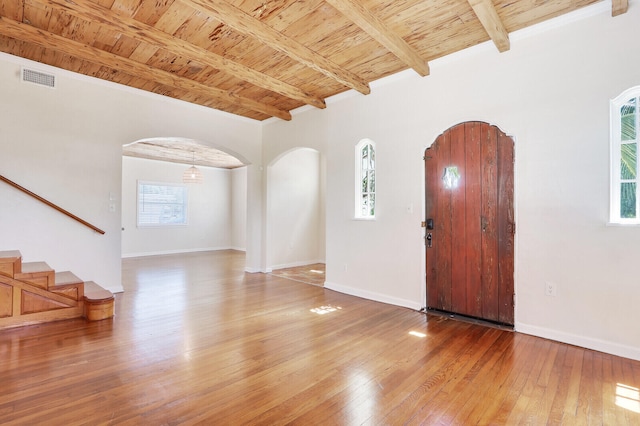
[(498, 403), (466, 368), (526, 409), (196, 340)]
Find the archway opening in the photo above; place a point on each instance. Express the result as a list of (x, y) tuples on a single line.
[(215, 211), (296, 215)]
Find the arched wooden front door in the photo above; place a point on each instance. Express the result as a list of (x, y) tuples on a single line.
[(469, 208)]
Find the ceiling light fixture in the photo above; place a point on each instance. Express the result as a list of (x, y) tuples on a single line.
[(192, 174)]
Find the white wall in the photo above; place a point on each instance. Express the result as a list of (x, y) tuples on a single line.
[(239, 208), (65, 144), (551, 92), (212, 221), (294, 209)]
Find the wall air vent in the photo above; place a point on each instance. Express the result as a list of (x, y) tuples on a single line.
[(38, 77)]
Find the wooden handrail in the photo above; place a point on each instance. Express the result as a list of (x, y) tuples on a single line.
[(50, 204)]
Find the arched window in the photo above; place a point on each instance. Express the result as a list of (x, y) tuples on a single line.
[(625, 120), (365, 179)]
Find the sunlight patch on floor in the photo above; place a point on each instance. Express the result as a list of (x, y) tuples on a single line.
[(325, 309), (628, 397)]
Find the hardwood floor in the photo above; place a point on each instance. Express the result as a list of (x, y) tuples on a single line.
[(313, 274), (197, 341)]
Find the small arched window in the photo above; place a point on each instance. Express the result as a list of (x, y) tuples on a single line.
[(625, 120), (365, 180)]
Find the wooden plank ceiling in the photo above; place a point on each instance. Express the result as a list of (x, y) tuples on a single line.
[(260, 58)]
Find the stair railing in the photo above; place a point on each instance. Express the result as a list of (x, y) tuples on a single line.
[(50, 204)]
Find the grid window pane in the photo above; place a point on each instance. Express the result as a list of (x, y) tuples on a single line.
[(364, 206), (161, 204), (628, 200), (625, 115), (365, 157), (628, 119), (628, 160), (365, 179)]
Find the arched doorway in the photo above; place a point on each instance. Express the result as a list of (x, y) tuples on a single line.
[(217, 207), (470, 223), (295, 209)]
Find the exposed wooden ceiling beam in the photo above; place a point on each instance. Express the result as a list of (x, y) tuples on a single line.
[(488, 16), (247, 24), (377, 29), (92, 12), (618, 7), (25, 32)]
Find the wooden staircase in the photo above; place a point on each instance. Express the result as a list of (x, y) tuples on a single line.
[(33, 293)]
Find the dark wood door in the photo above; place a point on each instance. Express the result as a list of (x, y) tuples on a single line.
[(469, 201)]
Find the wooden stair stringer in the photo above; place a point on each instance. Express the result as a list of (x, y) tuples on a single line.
[(31, 304), (33, 293)]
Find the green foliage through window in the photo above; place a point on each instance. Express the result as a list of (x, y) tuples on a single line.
[(366, 175), (629, 159)]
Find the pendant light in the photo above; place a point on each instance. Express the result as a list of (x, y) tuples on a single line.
[(192, 174)]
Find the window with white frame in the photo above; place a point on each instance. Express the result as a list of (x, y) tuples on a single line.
[(365, 179), (161, 204), (625, 120)]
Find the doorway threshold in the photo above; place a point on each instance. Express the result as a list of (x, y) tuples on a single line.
[(472, 320)]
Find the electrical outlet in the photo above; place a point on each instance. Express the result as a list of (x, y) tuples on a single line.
[(550, 289)]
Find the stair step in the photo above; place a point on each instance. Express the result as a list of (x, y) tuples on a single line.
[(67, 278), (98, 302), (10, 262), (35, 267), (10, 254), (93, 291), (37, 294), (37, 273), (69, 285)]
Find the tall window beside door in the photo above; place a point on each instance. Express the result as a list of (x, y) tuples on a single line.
[(365, 180), (625, 120)]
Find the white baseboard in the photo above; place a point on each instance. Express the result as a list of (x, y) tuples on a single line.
[(582, 341), (294, 264), (114, 289), (250, 270), (165, 252), (378, 297)]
